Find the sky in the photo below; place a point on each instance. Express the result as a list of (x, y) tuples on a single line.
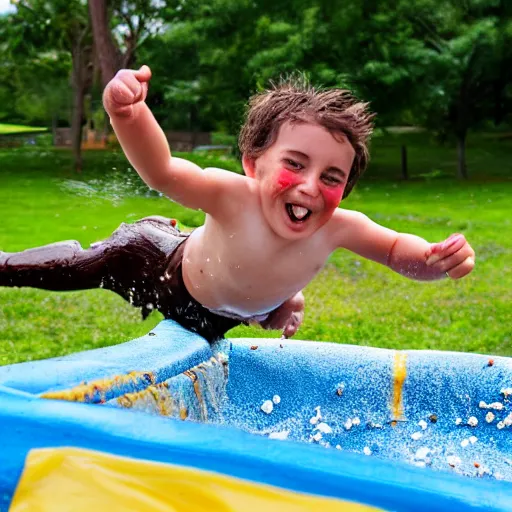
[(5, 6)]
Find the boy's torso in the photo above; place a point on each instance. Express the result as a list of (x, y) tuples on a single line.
[(240, 266)]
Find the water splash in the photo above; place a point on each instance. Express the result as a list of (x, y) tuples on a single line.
[(114, 187), (196, 394)]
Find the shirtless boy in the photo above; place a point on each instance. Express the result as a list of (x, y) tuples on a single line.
[(268, 233)]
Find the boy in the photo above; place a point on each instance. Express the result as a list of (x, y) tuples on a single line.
[(268, 233)]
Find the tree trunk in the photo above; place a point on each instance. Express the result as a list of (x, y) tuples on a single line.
[(108, 53), (462, 171), (405, 171), (194, 124), (129, 55), (81, 70), (78, 105), (54, 128), (76, 127)]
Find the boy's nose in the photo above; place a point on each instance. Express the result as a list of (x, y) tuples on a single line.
[(309, 186)]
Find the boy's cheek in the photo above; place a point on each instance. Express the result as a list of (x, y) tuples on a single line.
[(286, 179), (332, 196)]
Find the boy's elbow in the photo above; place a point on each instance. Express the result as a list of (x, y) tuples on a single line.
[(153, 182), (156, 177), (391, 253), (159, 184)]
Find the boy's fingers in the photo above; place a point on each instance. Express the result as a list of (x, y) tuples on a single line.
[(120, 94), (275, 321), (451, 237), (462, 269), (447, 248), (432, 259), (450, 262), (128, 77), (143, 74), (126, 90), (294, 323), (450, 245), (123, 110), (440, 246), (144, 90), (290, 330)]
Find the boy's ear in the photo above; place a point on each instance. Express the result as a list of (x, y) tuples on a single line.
[(249, 165)]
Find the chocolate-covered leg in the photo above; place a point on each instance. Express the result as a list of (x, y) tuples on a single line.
[(129, 263), (58, 267)]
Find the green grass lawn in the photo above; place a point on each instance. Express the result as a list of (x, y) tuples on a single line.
[(6, 129), (351, 301)]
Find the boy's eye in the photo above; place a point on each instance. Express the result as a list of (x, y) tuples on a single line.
[(293, 164), (332, 180)]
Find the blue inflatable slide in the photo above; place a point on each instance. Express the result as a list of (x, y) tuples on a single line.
[(168, 422)]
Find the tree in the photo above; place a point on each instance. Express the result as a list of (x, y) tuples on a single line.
[(220, 52), (468, 49), (447, 62), (445, 65), (131, 21), (7, 73), (119, 27), (58, 26), (42, 89)]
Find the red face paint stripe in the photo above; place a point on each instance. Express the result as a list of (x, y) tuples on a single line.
[(287, 179), (332, 196)]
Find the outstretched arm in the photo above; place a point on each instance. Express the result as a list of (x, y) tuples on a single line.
[(145, 145), (409, 255), (415, 258)]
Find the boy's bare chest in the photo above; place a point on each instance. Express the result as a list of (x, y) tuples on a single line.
[(262, 255), (255, 259)]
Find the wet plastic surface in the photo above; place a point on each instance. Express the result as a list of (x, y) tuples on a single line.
[(386, 411)]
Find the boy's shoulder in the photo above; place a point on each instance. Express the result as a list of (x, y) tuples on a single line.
[(348, 218), (234, 190), (346, 225), (234, 182)]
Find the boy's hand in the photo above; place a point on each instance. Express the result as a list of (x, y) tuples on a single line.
[(125, 90), (454, 257), (288, 316)]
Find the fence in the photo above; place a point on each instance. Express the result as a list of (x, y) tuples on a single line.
[(91, 139)]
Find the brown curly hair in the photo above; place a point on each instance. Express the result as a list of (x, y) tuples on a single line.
[(296, 101)]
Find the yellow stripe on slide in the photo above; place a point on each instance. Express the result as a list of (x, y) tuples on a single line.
[(399, 376), (70, 479)]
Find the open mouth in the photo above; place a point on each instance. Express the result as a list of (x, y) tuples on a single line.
[(297, 213)]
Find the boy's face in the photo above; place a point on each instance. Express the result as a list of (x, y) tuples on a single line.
[(302, 178)]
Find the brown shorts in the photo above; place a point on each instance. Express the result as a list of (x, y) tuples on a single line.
[(142, 262), (183, 308)]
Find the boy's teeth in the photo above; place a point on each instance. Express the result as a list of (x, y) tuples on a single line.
[(299, 211)]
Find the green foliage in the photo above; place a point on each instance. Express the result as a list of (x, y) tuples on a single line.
[(445, 65), (45, 25), (36, 56), (467, 55), (46, 92)]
